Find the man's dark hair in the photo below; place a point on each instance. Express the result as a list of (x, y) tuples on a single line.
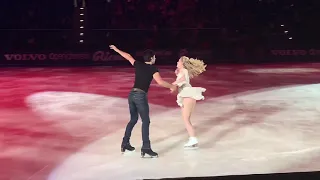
[(147, 55)]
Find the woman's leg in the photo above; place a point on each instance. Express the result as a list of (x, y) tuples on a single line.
[(187, 109)]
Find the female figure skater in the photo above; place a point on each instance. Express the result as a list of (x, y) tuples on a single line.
[(188, 68)]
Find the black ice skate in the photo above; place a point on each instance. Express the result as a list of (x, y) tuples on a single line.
[(127, 147), (148, 153)]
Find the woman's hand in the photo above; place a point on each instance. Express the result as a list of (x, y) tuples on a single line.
[(173, 89)]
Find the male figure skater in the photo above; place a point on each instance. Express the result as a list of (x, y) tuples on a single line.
[(138, 99)]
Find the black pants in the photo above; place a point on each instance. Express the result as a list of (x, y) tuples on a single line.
[(138, 105)]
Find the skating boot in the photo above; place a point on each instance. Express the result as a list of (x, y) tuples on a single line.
[(192, 143), (149, 153), (126, 147)]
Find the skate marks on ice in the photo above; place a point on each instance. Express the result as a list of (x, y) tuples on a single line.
[(261, 132), (82, 114)]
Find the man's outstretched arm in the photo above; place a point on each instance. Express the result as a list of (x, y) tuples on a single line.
[(163, 83), (125, 55)]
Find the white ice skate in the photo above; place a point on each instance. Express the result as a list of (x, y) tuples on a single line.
[(192, 143)]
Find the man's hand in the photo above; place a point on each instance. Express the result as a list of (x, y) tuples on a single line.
[(113, 47), (173, 89), (125, 55)]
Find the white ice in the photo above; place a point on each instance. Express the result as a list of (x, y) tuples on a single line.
[(265, 131)]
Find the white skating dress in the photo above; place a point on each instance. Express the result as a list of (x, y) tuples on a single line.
[(186, 90)]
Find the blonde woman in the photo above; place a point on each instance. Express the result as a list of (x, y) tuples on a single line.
[(188, 68)]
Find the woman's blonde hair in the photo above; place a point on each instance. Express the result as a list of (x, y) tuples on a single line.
[(194, 66)]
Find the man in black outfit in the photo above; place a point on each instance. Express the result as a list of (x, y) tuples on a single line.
[(138, 99)]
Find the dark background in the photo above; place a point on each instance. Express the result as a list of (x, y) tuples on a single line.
[(218, 31)]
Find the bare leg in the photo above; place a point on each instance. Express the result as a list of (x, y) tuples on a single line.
[(187, 109)]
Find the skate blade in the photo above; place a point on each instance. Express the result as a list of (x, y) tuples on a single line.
[(191, 147), (127, 152), (148, 156)]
